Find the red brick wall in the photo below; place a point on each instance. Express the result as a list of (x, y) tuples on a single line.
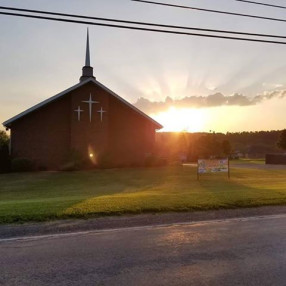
[(131, 135), (89, 137), (47, 135), (44, 135)]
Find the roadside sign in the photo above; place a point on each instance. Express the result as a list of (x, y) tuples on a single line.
[(213, 166)]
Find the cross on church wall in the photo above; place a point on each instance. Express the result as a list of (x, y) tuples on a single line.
[(90, 103), (78, 110), (101, 111)]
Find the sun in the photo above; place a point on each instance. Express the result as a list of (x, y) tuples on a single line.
[(182, 119)]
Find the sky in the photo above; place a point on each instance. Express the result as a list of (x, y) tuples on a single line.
[(186, 83)]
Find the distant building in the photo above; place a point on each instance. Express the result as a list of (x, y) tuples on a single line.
[(87, 120), (275, 159)]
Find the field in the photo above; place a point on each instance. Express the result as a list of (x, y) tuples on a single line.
[(53, 195)]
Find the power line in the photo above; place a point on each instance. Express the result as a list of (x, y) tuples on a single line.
[(211, 10), (140, 23), (141, 29), (262, 3)]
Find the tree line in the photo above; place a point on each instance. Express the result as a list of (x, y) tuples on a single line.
[(191, 146), (205, 145)]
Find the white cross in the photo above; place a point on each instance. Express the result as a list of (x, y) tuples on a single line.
[(101, 111), (78, 110), (90, 103)]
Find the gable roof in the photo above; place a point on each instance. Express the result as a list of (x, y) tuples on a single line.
[(8, 122)]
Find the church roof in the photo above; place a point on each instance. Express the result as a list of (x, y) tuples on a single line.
[(87, 76), (57, 96)]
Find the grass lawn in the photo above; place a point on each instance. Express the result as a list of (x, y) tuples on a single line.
[(249, 161), (51, 195)]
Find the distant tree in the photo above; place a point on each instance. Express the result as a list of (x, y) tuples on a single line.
[(182, 142), (4, 138), (226, 147), (207, 146), (282, 140), (4, 152)]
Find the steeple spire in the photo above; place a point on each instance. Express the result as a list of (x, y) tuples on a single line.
[(87, 70), (87, 55)]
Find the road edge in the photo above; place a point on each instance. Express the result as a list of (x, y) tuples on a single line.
[(117, 222)]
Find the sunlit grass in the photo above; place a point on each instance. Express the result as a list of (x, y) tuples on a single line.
[(51, 195), (249, 161)]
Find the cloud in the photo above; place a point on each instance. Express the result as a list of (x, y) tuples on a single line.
[(213, 100)]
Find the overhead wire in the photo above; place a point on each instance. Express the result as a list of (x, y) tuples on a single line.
[(262, 4), (141, 28), (210, 10), (141, 23)]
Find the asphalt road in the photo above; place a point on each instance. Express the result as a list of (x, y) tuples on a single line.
[(245, 251)]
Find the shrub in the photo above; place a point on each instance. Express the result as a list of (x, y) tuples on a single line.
[(69, 166), (22, 165), (4, 152), (5, 162), (282, 140), (73, 161)]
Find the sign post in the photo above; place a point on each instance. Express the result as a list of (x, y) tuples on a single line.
[(213, 166)]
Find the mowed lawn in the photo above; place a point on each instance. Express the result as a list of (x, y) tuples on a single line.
[(52, 195)]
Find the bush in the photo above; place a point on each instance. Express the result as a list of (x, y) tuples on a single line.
[(69, 166), (22, 165), (4, 152), (73, 161), (282, 140), (5, 162)]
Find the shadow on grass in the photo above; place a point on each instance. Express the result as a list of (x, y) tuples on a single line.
[(45, 196), (133, 191), (211, 192)]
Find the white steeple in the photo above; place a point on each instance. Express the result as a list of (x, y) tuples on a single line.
[(87, 70)]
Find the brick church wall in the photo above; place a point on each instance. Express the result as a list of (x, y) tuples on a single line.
[(47, 135), (131, 135), (89, 137), (43, 136)]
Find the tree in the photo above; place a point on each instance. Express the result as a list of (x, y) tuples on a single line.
[(226, 147), (4, 152), (282, 140), (4, 139), (208, 146)]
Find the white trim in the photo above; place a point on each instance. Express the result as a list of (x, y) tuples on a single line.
[(55, 97)]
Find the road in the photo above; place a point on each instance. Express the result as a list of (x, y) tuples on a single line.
[(245, 251)]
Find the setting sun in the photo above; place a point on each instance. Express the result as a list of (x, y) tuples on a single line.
[(182, 119)]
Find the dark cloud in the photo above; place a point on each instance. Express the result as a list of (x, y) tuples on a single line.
[(213, 100)]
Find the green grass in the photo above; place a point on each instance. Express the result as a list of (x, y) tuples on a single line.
[(53, 195), (249, 161)]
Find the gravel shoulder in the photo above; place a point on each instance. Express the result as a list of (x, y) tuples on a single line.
[(66, 226)]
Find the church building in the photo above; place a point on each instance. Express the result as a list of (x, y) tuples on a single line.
[(86, 122)]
